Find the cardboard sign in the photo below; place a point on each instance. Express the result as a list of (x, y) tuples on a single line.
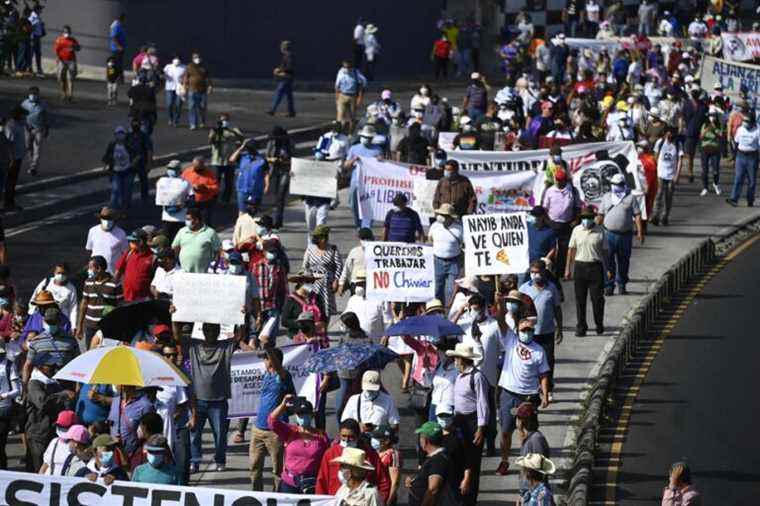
[(495, 244), (313, 178), (399, 272), (171, 191), (209, 298)]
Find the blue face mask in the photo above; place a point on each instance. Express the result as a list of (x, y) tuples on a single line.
[(588, 222), (3, 302), (155, 459), (90, 274), (106, 459), (513, 307), (531, 219), (171, 173), (52, 328), (375, 444), (303, 420)]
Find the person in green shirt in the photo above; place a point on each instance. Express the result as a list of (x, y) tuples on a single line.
[(160, 468), (224, 140), (196, 244), (711, 138)]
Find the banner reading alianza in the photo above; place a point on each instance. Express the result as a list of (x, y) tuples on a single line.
[(23, 489), (734, 77)]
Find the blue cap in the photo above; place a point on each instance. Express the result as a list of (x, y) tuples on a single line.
[(235, 258)]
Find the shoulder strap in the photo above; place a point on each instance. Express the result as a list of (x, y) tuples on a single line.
[(359, 408), (52, 464), (8, 371), (47, 282), (67, 464)]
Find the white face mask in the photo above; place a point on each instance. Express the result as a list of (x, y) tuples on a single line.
[(359, 290), (106, 224), (366, 141), (440, 218), (348, 444), (270, 256), (32, 98), (536, 276), (189, 223), (525, 336), (370, 395), (197, 60), (175, 61), (308, 288), (375, 443), (445, 421), (588, 222), (424, 92), (513, 307), (60, 278), (60, 432), (171, 173), (343, 476), (236, 269)]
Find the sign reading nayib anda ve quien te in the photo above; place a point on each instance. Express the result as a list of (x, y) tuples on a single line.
[(495, 244)]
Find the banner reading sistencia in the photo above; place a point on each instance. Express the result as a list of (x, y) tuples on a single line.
[(495, 244), (399, 272)]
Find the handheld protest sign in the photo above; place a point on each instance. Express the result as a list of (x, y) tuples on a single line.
[(495, 244), (399, 272)]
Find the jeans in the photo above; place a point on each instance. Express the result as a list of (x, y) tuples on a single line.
[(284, 90), (37, 52), (281, 185), (571, 27), (446, 271), (475, 114), (663, 201), (547, 343), (342, 395), (182, 455), (618, 258), (467, 425), (464, 62), (22, 56), (34, 139), (197, 102), (353, 201), (645, 28), (207, 210), (118, 57), (225, 174), (173, 106), (216, 414), (440, 66), (746, 167), (710, 160), (142, 173), (563, 231), (264, 442), (588, 279)]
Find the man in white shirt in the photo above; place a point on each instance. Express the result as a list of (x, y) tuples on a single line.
[(162, 285), (447, 235), (173, 216), (107, 239), (374, 315), (58, 450), (524, 373), (63, 292), (358, 45), (354, 263), (371, 408), (747, 140), (669, 155), (175, 92)]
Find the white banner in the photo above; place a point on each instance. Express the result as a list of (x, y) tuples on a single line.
[(734, 77), (399, 272), (36, 489), (741, 46), (225, 332), (247, 373), (209, 298), (171, 191), (446, 140), (495, 244), (313, 178)]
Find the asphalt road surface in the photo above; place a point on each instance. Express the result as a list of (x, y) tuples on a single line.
[(699, 401)]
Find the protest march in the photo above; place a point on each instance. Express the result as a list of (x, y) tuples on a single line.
[(387, 309)]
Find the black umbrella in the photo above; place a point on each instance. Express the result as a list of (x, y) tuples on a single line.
[(124, 321)]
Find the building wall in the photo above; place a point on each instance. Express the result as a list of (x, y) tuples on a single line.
[(240, 38)]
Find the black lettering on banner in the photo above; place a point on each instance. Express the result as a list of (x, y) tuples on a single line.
[(55, 494), (17, 486), (247, 501), (84, 487), (129, 493), (479, 241), (157, 497), (304, 502)]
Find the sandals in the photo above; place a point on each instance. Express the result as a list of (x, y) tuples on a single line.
[(503, 468)]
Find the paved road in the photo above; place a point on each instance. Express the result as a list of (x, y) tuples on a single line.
[(699, 400)]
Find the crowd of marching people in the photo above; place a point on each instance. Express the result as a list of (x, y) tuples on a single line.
[(472, 389)]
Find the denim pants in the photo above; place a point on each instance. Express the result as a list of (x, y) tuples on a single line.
[(216, 414), (746, 167), (710, 161), (182, 455), (284, 90), (197, 108), (121, 189), (142, 173), (341, 396), (225, 174), (37, 52), (618, 258), (446, 271), (173, 106), (281, 185), (663, 201)]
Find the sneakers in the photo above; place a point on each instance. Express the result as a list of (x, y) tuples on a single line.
[(703, 192), (599, 331), (609, 291), (732, 203), (716, 189), (220, 468), (194, 468)]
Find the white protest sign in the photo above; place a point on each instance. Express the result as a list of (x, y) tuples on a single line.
[(446, 140), (313, 178), (225, 331), (734, 77), (171, 191), (30, 488), (209, 298), (247, 373), (399, 272), (495, 244), (422, 202)]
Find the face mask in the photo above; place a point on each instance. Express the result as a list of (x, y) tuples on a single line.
[(445, 421), (370, 396), (189, 223), (618, 188), (476, 314), (557, 158), (525, 336), (588, 222), (360, 291), (3, 302), (66, 34), (261, 231), (32, 98), (366, 141), (270, 256), (398, 209), (106, 224), (308, 288), (155, 460), (513, 307), (537, 277), (140, 433), (424, 92), (531, 219), (225, 123), (197, 60), (347, 444), (171, 173), (60, 432), (343, 476), (90, 274), (440, 219), (154, 251), (175, 61), (448, 174), (51, 328), (60, 278), (303, 420), (375, 443), (236, 269), (106, 459), (110, 64)]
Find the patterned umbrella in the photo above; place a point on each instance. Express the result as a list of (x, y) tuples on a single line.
[(349, 356), (427, 325)]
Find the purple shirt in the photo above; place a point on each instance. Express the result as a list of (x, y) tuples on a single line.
[(34, 324), (561, 204), (470, 400), (130, 418)]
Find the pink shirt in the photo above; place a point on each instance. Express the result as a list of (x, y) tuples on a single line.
[(560, 204), (426, 358), (302, 455), (686, 497)]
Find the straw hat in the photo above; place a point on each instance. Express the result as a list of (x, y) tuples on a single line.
[(469, 283), (514, 296), (536, 462), (446, 209), (464, 350), (44, 298), (354, 457), (433, 305)]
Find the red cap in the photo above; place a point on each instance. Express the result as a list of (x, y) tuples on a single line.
[(524, 410), (161, 328), (66, 419), (560, 175)]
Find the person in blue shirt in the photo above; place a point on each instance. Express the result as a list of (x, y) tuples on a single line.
[(94, 403), (117, 43), (37, 126), (349, 92), (542, 239), (160, 467), (402, 224), (253, 175), (367, 149)]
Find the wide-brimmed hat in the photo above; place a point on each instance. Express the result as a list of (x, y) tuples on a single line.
[(370, 29), (353, 457), (446, 209), (106, 213), (367, 131), (514, 296), (44, 298), (433, 305), (464, 350), (302, 277), (536, 462), (617, 178), (468, 283)]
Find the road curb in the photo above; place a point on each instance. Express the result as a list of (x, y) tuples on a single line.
[(583, 436)]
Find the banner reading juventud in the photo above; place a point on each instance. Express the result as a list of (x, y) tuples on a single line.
[(399, 272), (495, 244)]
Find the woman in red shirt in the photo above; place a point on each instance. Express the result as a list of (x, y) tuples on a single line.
[(65, 49)]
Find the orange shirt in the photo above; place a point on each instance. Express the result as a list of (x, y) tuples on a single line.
[(65, 48), (206, 178)]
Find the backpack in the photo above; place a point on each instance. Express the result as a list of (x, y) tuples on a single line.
[(308, 305)]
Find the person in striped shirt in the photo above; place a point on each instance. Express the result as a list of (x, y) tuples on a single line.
[(100, 290)]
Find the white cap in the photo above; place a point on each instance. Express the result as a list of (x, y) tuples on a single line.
[(371, 381), (386, 94), (475, 75), (717, 86), (617, 179), (227, 245)]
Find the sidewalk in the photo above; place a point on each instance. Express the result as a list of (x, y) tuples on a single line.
[(693, 218)]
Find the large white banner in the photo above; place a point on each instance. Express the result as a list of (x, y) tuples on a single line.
[(734, 77), (741, 46), (399, 272), (247, 373), (209, 298), (313, 178), (495, 244), (25, 489), (171, 191)]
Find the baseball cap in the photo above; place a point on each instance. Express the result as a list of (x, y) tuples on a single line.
[(156, 444), (371, 381), (560, 175), (78, 433), (382, 432), (386, 94), (430, 429), (66, 419), (138, 235), (102, 441), (228, 245)]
